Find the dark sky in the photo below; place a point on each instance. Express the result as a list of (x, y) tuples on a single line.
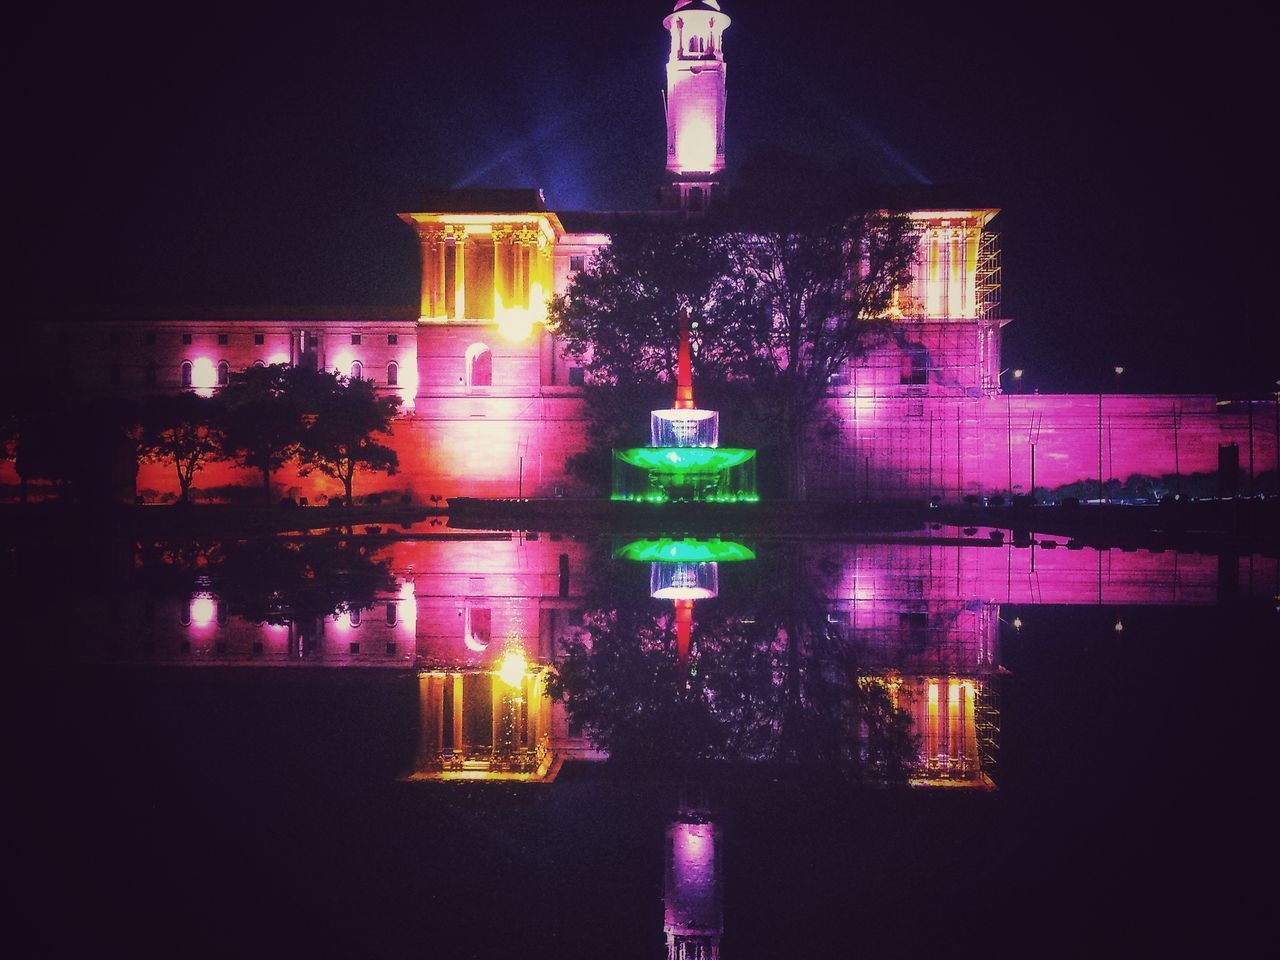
[(210, 154)]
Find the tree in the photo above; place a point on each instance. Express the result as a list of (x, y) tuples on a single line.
[(261, 420), (83, 445), (343, 418), (182, 429), (773, 681), (620, 317), (785, 288)]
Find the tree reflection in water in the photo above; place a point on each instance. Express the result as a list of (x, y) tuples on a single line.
[(275, 581), (771, 679)]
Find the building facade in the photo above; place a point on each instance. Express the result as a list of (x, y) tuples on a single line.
[(490, 406)]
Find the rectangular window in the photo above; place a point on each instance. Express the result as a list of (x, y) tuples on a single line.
[(186, 339), (915, 366), (913, 630), (392, 339), (576, 376), (577, 262), (259, 339), (355, 339), (222, 339)]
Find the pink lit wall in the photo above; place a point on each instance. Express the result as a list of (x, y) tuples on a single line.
[(885, 447)]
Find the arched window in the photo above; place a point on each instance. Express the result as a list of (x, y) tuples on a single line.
[(393, 614), (357, 370), (186, 373), (354, 616), (224, 373), (259, 363), (393, 374), (479, 366)]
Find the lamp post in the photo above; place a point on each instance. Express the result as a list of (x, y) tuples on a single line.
[(1017, 381), (1118, 371)]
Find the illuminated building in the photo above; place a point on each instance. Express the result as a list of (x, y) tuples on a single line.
[(491, 406)]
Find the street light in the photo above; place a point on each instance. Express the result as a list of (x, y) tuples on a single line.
[(1017, 381), (1118, 371)]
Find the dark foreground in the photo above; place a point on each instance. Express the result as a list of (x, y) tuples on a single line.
[(168, 812)]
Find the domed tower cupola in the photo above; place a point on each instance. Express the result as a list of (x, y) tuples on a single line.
[(695, 101)]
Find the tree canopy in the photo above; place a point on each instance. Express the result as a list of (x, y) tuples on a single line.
[(261, 420), (182, 429), (344, 418), (781, 298), (772, 679)]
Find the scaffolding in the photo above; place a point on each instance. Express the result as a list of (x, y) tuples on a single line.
[(987, 725), (987, 276)]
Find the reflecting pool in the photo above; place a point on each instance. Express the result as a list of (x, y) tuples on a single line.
[(502, 743)]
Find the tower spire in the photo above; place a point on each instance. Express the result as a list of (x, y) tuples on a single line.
[(684, 366), (695, 102)]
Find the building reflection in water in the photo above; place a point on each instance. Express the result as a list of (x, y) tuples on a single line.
[(692, 887), (480, 622)]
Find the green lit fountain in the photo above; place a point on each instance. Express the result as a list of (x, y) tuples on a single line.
[(684, 461), (682, 571)]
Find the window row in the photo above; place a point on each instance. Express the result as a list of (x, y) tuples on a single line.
[(115, 339), (202, 374), (203, 609)]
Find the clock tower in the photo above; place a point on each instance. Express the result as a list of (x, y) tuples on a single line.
[(695, 101)]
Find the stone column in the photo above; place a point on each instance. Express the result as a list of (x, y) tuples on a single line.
[(519, 291), (458, 747), (442, 307), (459, 273), (432, 243), (501, 268)]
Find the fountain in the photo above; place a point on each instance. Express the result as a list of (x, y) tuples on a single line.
[(683, 571), (684, 460)]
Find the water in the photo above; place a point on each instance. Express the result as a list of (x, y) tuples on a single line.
[(210, 760)]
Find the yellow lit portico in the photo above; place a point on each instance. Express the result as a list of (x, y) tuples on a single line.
[(487, 257), (485, 724)]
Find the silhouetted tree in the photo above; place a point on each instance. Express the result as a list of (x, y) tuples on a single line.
[(85, 446), (771, 680), (261, 419), (182, 429), (343, 419), (785, 287)]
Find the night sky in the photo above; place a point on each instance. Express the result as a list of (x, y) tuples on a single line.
[(227, 156)]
